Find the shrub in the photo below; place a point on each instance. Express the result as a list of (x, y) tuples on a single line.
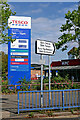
[(24, 83), (49, 113), (63, 83), (31, 114)]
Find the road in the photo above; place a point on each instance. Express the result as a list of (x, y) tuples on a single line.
[(43, 119), (9, 109)]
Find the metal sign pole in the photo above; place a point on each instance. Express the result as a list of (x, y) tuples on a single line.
[(49, 79), (41, 81), (46, 48), (49, 74)]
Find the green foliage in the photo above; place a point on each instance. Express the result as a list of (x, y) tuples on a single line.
[(42, 111), (74, 52), (31, 114), (24, 83), (72, 111), (5, 12), (0, 63), (5, 89), (36, 87), (57, 79), (50, 113), (4, 65), (59, 83), (5, 82), (76, 86), (70, 30), (63, 83), (46, 80)]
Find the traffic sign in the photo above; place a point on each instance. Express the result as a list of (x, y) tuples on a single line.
[(44, 47)]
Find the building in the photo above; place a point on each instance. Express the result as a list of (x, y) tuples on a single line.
[(63, 67), (36, 71)]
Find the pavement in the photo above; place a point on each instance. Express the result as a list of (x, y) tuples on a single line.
[(9, 111), (43, 119)]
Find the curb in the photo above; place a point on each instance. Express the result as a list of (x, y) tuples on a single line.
[(38, 115)]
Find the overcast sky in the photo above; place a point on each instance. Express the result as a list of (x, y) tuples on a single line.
[(47, 18)]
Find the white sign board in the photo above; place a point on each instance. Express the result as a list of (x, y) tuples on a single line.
[(19, 22), (44, 47), (18, 53), (20, 44)]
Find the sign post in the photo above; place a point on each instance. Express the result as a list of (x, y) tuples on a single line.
[(19, 52), (49, 79), (41, 82), (44, 47), (49, 74)]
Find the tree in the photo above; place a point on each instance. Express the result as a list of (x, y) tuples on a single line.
[(71, 30), (4, 64), (5, 12), (73, 52)]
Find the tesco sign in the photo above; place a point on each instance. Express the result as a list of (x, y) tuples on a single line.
[(19, 22)]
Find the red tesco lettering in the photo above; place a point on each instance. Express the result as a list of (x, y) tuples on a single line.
[(19, 22)]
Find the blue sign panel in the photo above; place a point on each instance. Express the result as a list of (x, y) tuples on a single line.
[(19, 52)]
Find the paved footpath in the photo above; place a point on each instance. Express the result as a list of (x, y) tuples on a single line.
[(43, 119), (9, 105), (9, 111)]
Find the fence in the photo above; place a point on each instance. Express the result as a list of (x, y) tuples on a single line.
[(32, 86), (51, 99)]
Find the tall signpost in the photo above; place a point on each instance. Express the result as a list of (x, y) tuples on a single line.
[(19, 52), (41, 81), (49, 74), (44, 47)]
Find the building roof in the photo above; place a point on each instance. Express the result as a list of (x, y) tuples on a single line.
[(64, 67), (65, 64), (68, 62)]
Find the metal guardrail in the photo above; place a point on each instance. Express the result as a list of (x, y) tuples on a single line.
[(51, 99)]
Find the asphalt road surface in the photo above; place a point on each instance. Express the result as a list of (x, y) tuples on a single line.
[(42, 119), (9, 108)]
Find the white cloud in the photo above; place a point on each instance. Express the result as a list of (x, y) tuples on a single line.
[(36, 11), (44, 5), (46, 28), (65, 10), (12, 7)]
